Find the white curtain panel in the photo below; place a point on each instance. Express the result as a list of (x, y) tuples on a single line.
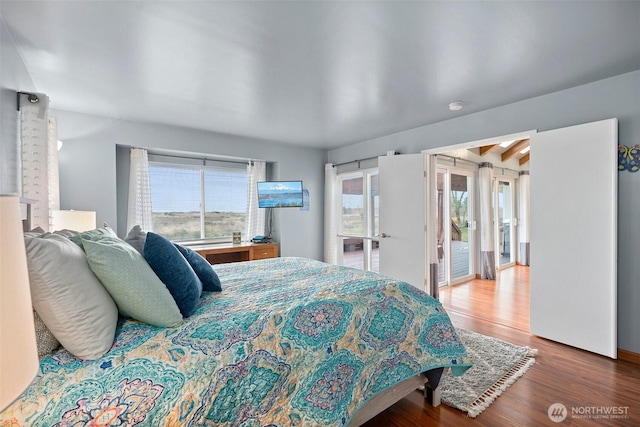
[(487, 248), (139, 207), (523, 219), (38, 159), (53, 167), (10, 166), (255, 222), (330, 214), (432, 224)]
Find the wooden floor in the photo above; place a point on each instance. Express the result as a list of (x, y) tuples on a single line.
[(504, 301), (580, 380)]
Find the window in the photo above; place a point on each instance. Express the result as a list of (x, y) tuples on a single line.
[(359, 227), (192, 201)]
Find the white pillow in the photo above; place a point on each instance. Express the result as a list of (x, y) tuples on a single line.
[(68, 297)]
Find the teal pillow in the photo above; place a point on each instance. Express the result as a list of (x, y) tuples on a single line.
[(174, 271), (133, 285), (93, 235), (204, 270)]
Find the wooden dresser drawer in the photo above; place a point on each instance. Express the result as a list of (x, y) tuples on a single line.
[(264, 251), (217, 254)]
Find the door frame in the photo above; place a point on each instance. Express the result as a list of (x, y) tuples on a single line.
[(512, 229), (471, 212)]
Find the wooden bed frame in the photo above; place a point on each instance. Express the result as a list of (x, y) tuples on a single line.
[(429, 380)]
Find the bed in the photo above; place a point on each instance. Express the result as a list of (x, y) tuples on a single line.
[(288, 342)]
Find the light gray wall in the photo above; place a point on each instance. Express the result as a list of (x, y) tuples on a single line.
[(617, 97), (13, 78), (89, 176)]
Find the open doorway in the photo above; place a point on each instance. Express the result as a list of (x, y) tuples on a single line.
[(459, 225), (565, 242)]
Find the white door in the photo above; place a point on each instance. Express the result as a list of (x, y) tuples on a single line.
[(573, 286), (455, 216), (402, 218)]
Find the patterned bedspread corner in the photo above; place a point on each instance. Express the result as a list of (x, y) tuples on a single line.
[(289, 341)]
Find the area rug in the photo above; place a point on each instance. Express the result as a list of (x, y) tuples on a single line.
[(497, 364)]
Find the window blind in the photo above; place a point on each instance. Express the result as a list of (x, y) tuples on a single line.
[(195, 199)]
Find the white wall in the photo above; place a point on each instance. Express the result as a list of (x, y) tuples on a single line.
[(89, 177), (13, 78), (617, 97)]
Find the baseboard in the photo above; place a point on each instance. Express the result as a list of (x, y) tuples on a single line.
[(628, 356)]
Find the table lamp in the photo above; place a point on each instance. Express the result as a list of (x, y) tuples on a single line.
[(73, 220), (18, 352)]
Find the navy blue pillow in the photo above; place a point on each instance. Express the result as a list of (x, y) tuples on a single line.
[(204, 270), (174, 271)]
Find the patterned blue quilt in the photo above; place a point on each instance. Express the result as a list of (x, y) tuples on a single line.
[(288, 342)]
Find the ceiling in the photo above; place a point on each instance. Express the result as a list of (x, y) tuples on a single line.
[(516, 149), (318, 74)]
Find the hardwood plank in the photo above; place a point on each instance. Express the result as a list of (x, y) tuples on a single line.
[(573, 377), (504, 301)]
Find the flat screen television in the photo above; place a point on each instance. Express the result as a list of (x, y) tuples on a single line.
[(280, 194)]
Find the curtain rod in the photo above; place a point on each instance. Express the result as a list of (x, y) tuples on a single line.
[(204, 158), (31, 96), (475, 163), (361, 160)]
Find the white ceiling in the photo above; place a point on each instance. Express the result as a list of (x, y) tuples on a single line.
[(322, 74)]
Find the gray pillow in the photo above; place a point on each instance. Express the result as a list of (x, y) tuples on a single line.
[(68, 297), (45, 340), (136, 238), (134, 286), (66, 233)]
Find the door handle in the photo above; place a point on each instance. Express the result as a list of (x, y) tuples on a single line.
[(385, 235)]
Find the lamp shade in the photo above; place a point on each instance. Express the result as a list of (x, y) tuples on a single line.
[(73, 220), (18, 351)]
